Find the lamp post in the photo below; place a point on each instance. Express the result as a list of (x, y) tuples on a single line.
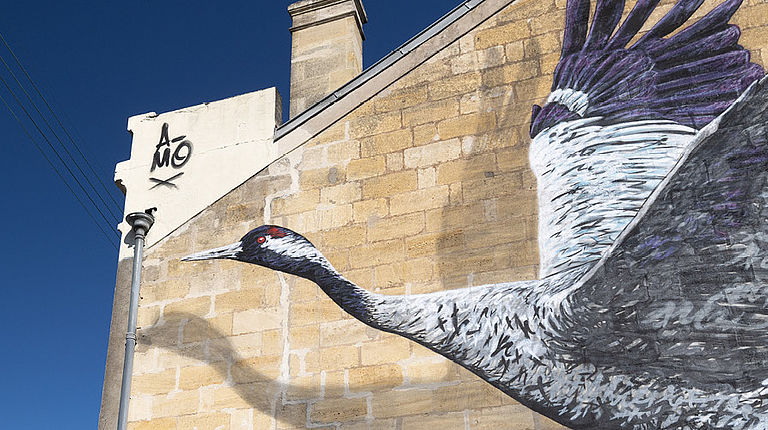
[(141, 222)]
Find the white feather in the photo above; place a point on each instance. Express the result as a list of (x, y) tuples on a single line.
[(592, 180)]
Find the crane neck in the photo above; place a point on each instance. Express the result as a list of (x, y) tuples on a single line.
[(353, 299)]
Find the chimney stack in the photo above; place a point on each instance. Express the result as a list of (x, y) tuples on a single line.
[(326, 49)]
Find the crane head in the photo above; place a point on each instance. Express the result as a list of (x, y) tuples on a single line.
[(270, 246)]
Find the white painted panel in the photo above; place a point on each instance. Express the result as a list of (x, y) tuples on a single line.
[(230, 141)]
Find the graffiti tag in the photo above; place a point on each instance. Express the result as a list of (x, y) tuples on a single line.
[(168, 156)]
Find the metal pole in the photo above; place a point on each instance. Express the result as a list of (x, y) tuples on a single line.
[(141, 223)]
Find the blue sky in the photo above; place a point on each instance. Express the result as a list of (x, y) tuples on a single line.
[(99, 63)]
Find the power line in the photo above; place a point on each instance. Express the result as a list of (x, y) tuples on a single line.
[(61, 143), (37, 145), (5, 83), (61, 125)]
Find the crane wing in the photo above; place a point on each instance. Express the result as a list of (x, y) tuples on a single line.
[(683, 292), (619, 118), (690, 77)]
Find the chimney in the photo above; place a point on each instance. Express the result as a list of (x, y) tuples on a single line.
[(326, 49)]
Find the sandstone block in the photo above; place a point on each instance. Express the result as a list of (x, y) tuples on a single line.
[(502, 34), (164, 290), (401, 99), (542, 44), (511, 73), (335, 385), (198, 306), (343, 332), (323, 309), (192, 378), (510, 415), (432, 153), (419, 200), (334, 216), (217, 420), (375, 378), (464, 125), (366, 210), (343, 151), (244, 396), (175, 404), (304, 387), (434, 243), (254, 320), (301, 202), (513, 158), (242, 346), (337, 410), (366, 168), (388, 276), (466, 168), (427, 177), (453, 420), (388, 350), (239, 300), (340, 194), (154, 383), (431, 372), (418, 270), (304, 337), (386, 142), (468, 395), (199, 329), (425, 133), (494, 187), (335, 358), (374, 124), (394, 161), (155, 424), (374, 254), (319, 178), (263, 368), (396, 227), (453, 86), (391, 183), (344, 237), (431, 112), (402, 402), (514, 51)]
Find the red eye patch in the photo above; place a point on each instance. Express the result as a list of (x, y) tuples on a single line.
[(261, 239), (276, 232)]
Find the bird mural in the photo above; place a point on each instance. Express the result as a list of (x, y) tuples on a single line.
[(651, 307)]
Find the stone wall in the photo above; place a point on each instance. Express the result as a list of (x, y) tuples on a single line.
[(424, 187)]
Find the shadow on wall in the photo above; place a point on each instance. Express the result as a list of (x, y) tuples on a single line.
[(257, 388), (488, 232)]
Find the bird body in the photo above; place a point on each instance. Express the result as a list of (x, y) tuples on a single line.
[(651, 309)]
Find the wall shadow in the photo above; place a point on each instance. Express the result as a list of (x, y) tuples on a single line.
[(262, 392)]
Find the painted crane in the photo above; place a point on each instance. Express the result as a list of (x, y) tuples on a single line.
[(651, 309)]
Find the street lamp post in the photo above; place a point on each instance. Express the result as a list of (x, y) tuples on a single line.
[(141, 222)]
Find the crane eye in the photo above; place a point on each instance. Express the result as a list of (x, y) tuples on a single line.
[(261, 239)]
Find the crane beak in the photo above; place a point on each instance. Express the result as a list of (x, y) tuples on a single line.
[(222, 252)]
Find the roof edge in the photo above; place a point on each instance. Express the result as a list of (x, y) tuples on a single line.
[(387, 61)]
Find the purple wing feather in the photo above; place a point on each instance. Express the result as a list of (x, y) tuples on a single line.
[(632, 24), (690, 77), (576, 16), (607, 16), (680, 12)]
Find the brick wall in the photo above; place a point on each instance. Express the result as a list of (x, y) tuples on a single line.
[(424, 187)]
